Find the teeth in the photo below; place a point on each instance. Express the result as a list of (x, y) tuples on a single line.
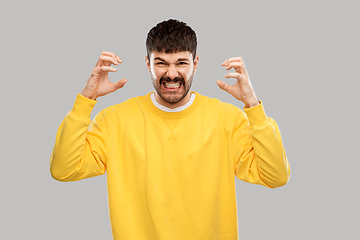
[(172, 85)]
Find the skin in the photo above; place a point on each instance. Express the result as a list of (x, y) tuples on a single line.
[(99, 84), (167, 69), (242, 89), (172, 68)]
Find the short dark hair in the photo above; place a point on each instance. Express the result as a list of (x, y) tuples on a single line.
[(171, 36)]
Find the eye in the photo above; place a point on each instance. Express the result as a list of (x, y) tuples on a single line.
[(183, 63)]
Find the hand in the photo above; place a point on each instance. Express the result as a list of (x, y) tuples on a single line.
[(242, 89), (99, 83)]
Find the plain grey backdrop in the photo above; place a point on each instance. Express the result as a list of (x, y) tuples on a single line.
[(303, 61)]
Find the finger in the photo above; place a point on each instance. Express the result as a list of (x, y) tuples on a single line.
[(236, 75), (108, 69), (103, 69), (118, 59), (108, 60), (223, 85), (235, 65), (119, 84), (234, 59), (110, 54)]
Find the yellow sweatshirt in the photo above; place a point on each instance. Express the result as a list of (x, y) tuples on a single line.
[(171, 176)]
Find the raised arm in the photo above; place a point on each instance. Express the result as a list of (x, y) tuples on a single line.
[(80, 146), (259, 152), (260, 156)]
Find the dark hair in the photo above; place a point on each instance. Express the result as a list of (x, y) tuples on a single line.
[(171, 36)]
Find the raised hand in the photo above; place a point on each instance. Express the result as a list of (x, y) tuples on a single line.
[(242, 89), (99, 84)]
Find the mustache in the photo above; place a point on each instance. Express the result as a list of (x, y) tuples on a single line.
[(167, 79)]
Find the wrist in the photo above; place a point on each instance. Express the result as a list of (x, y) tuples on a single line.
[(251, 103), (87, 95)]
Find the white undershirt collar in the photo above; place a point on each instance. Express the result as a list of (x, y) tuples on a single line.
[(178, 109)]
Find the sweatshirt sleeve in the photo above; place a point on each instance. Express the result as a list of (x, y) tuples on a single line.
[(259, 153), (80, 146)]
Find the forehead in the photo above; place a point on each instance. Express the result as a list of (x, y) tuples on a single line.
[(171, 57)]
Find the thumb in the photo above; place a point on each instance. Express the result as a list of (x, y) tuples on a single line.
[(223, 85), (119, 84)]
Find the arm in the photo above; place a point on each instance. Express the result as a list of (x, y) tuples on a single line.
[(260, 155), (80, 146)]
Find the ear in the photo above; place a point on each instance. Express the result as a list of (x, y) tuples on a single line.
[(196, 62), (147, 60)]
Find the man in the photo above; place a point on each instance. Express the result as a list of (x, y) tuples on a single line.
[(171, 156)]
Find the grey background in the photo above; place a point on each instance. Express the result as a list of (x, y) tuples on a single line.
[(302, 58)]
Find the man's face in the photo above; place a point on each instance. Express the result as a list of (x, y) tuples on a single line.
[(172, 75)]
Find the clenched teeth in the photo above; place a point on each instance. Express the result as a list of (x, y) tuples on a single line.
[(172, 85)]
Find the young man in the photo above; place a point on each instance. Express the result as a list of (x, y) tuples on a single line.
[(171, 156)]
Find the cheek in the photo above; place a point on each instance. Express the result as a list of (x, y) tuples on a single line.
[(157, 73), (186, 73)]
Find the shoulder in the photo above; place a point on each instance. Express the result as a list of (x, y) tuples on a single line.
[(219, 112), (220, 107), (129, 106)]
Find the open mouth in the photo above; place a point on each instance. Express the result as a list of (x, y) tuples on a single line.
[(172, 86)]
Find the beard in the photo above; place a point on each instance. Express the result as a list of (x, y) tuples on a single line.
[(172, 97)]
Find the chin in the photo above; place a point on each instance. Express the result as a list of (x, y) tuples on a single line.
[(172, 97)]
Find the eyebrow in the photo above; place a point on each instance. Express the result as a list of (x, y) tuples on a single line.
[(179, 60)]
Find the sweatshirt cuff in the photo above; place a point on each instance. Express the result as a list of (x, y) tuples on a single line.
[(257, 116), (82, 107)]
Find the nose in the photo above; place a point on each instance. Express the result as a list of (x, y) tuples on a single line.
[(172, 72)]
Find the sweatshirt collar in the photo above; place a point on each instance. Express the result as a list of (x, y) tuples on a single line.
[(178, 109), (192, 104)]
